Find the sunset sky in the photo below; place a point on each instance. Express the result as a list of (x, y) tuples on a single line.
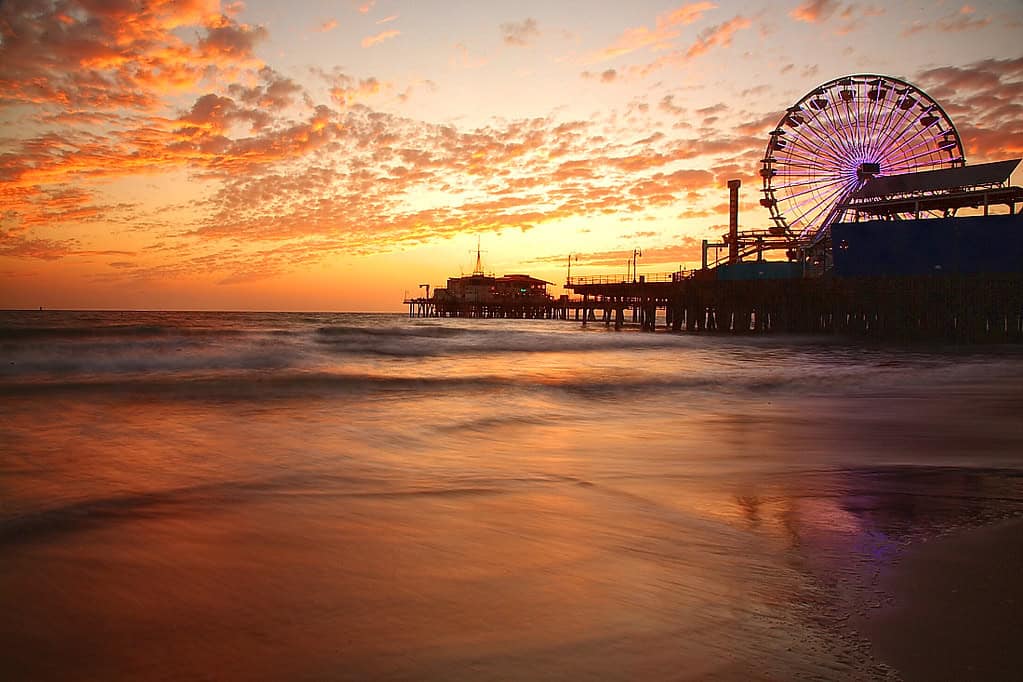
[(330, 155)]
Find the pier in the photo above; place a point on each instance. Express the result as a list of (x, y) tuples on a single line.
[(960, 308), (964, 308), (869, 232)]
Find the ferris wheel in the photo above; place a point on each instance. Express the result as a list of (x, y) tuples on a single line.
[(840, 135)]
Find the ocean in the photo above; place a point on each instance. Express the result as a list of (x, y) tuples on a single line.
[(300, 496)]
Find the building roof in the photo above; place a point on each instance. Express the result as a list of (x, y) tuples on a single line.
[(473, 278), (522, 278), (945, 179)]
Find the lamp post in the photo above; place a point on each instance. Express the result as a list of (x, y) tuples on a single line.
[(635, 254)]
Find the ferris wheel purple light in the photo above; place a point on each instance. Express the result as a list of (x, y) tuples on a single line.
[(841, 134)]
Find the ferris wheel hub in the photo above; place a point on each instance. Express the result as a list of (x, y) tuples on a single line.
[(867, 170)]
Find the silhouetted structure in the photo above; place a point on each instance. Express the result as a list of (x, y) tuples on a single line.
[(863, 178)]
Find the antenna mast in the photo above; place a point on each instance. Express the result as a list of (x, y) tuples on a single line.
[(479, 262)]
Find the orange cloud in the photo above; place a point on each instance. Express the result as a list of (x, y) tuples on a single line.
[(346, 90), (717, 36), (659, 37), (285, 179), (370, 41), (814, 11), (985, 99), (116, 55), (328, 26), (682, 250)]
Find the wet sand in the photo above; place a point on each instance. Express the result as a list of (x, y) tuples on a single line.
[(954, 611)]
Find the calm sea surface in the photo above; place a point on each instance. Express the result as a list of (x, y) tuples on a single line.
[(279, 496)]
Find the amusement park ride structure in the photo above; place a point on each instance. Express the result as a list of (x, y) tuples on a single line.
[(861, 145)]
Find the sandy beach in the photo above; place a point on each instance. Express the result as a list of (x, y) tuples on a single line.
[(954, 611), (344, 497)]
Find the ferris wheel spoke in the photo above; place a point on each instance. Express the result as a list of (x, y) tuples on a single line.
[(804, 183), (817, 197), (840, 133), (883, 110), (933, 145), (835, 127), (816, 146), (817, 210), (878, 129), (907, 163), (803, 145), (810, 163), (817, 164), (809, 132), (910, 139), (829, 134), (853, 121), (896, 131), (846, 130), (897, 121), (818, 187)]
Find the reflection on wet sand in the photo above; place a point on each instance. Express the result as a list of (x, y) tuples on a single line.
[(526, 579)]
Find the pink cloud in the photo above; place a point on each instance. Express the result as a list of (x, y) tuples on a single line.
[(955, 22)]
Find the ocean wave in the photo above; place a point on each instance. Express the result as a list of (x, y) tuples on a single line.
[(285, 384), (418, 331), (85, 514), (256, 385), (113, 331)]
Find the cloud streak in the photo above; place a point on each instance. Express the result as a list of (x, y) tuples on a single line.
[(659, 37), (376, 39)]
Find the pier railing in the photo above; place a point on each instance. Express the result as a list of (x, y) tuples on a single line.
[(628, 279)]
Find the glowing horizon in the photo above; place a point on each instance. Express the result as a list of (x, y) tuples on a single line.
[(256, 155)]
